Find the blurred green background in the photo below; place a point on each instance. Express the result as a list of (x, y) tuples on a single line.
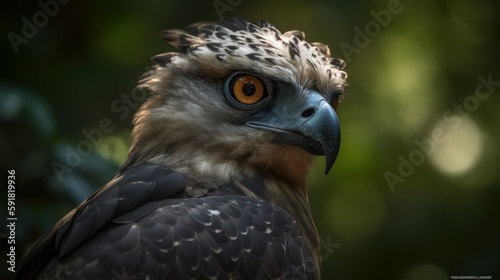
[(415, 192)]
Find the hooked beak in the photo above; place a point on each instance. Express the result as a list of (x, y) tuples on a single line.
[(313, 127)]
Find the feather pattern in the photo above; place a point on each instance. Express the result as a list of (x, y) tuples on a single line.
[(202, 195), (224, 234)]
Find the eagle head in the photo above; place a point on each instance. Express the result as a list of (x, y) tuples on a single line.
[(239, 99)]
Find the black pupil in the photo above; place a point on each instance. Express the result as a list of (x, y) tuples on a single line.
[(248, 89)]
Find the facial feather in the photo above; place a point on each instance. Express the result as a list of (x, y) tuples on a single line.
[(189, 126)]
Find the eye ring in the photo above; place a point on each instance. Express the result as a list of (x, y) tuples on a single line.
[(247, 89)]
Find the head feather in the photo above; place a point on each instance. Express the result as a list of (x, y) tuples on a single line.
[(219, 48)]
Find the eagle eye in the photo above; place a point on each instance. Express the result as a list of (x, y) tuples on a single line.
[(247, 89)]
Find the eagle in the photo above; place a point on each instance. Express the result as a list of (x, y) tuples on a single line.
[(214, 185)]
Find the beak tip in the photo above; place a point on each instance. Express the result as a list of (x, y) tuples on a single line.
[(330, 160), (327, 170)]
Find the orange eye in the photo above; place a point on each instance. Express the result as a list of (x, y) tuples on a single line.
[(248, 89)]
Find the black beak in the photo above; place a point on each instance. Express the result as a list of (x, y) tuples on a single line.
[(323, 127), (311, 125)]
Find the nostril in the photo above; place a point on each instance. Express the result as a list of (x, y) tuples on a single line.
[(307, 113)]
